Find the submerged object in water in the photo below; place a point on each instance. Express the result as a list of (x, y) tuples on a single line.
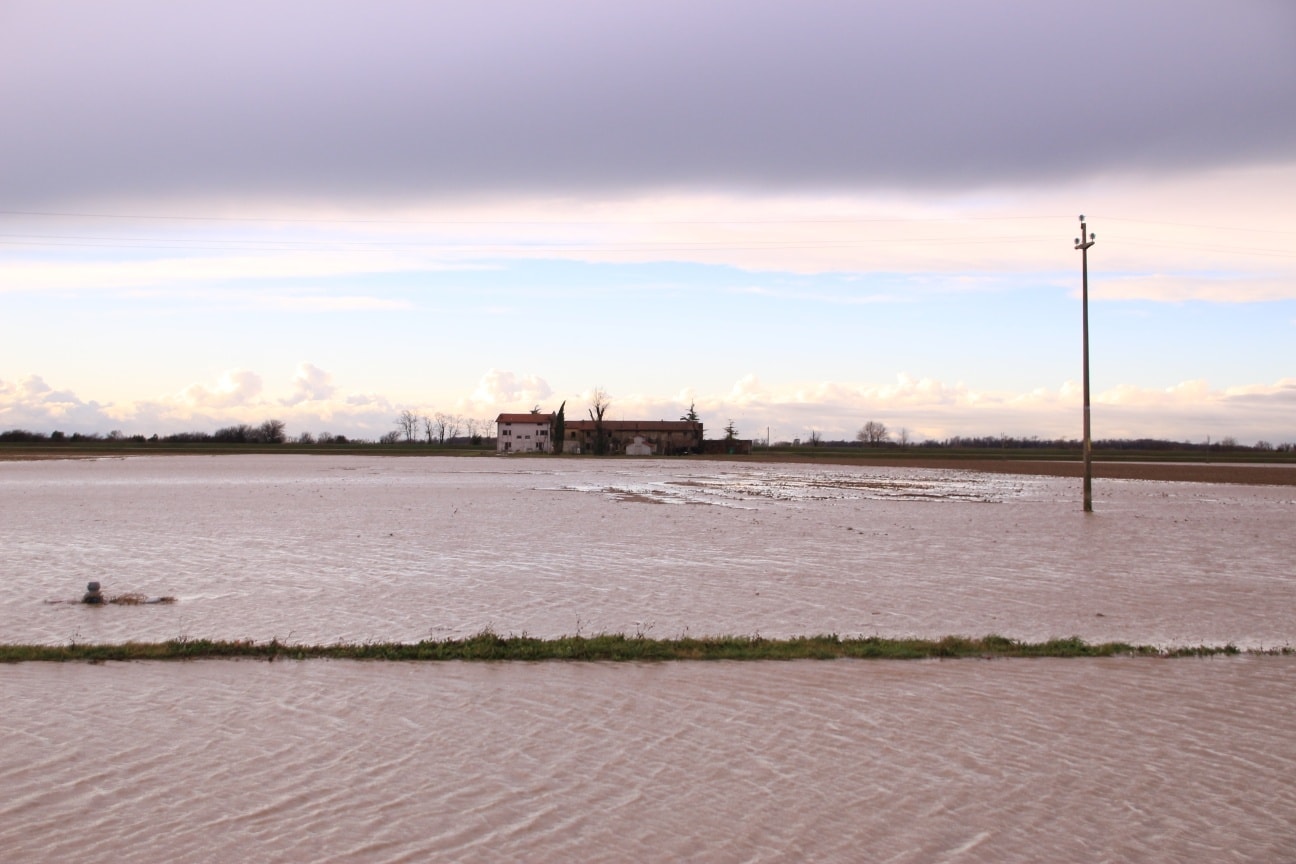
[(138, 599), (94, 596)]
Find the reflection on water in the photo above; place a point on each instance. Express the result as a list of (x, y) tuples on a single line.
[(1000, 761), (319, 549)]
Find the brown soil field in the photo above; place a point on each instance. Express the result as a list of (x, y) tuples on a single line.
[(1184, 472)]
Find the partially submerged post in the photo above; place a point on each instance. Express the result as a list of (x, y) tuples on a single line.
[(92, 594), (1083, 243)]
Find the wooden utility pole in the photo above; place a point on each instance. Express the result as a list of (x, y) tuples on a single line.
[(1083, 243)]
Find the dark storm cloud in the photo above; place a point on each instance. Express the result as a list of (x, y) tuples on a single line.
[(319, 100)]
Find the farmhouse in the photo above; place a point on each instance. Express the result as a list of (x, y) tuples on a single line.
[(523, 433), (533, 433), (634, 437)]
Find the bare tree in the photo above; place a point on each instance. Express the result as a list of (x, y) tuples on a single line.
[(873, 433), (271, 432), (445, 426), (429, 428), (407, 424), (453, 425), (478, 429), (600, 401), (816, 438), (902, 437)]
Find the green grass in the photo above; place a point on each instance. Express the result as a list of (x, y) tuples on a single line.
[(490, 646)]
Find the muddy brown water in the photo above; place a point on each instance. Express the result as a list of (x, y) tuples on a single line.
[(320, 549), (1059, 760)]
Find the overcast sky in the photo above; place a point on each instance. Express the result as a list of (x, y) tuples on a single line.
[(798, 215)]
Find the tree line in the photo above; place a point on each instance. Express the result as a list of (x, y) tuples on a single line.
[(437, 428), (267, 432), (443, 428), (876, 434)]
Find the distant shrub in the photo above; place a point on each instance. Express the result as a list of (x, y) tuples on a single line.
[(239, 434), (21, 435), (269, 432), (187, 438)]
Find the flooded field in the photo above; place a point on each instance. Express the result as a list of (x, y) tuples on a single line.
[(320, 549), (1059, 760)]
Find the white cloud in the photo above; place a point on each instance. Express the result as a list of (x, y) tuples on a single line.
[(502, 389), (934, 409), (235, 387), (926, 408), (1172, 288), (33, 404), (748, 390), (310, 384)]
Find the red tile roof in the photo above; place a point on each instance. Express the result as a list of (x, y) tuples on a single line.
[(636, 426), (524, 418)]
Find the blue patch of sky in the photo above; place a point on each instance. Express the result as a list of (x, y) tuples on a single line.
[(658, 327), (1161, 344), (782, 326)]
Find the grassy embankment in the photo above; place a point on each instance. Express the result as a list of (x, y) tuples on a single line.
[(611, 647)]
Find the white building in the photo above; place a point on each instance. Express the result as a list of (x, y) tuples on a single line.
[(523, 433)]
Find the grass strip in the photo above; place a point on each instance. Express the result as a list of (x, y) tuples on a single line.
[(489, 646)]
